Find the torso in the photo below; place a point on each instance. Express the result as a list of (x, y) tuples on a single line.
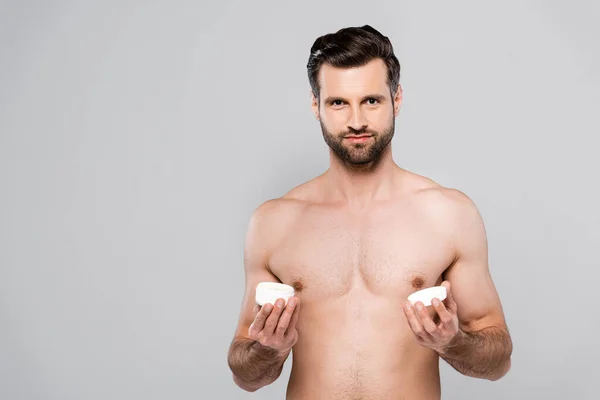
[(353, 272)]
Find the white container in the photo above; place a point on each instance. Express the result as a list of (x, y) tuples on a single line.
[(426, 295), (269, 292)]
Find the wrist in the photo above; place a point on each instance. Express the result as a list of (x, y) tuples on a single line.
[(268, 352), (455, 345)]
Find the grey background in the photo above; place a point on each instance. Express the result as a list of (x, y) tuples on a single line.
[(136, 139)]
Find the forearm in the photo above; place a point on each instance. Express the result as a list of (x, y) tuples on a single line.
[(254, 365), (480, 354)]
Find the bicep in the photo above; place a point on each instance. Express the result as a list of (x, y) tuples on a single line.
[(254, 275), (472, 287), (256, 251)]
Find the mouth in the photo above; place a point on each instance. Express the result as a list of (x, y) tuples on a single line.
[(358, 139)]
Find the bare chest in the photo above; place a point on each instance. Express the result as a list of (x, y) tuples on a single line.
[(389, 252)]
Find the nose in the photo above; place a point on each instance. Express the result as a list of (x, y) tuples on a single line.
[(357, 120)]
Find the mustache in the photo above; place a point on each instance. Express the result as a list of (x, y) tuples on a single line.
[(359, 132)]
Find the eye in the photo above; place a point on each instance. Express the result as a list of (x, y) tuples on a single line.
[(337, 103), (372, 101)]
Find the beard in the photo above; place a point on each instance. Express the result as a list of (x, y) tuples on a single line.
[(359, 154)]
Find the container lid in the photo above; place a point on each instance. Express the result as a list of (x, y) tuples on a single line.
[(274, 286), (426, 295)]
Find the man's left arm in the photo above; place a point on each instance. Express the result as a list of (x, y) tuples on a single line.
[(472, 335)]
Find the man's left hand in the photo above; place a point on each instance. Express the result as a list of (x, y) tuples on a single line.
[(429, 334)]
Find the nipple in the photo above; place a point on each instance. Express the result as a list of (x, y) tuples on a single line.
[(418, 282), (297, 285)]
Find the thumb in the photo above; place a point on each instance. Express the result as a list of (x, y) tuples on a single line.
[(450, 303)]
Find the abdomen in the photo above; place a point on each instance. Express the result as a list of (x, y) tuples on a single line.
[(359, 346)]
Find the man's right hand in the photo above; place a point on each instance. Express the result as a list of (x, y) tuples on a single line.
[(274, 326)]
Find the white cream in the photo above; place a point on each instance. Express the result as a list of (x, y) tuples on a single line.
[(427, 295), (269, 292)]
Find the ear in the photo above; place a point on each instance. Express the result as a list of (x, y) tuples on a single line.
[(397, 100), (314, 105)]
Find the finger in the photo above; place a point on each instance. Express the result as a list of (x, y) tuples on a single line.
[(426, 320), (271, 322), (414, 322), (286, 317), (294, 320), (449, 301), (445, 316), (261, 317)]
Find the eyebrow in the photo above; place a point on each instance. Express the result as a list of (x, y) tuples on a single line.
[(378, 97)]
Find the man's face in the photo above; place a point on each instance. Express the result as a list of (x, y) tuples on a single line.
[(356, 111)]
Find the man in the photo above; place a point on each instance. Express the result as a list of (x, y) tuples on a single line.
[(355, 242)]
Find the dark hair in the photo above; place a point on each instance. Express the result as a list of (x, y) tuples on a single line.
[(352, 47)]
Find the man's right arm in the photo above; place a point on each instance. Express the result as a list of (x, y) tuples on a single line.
[(264, 336), (254, 365)]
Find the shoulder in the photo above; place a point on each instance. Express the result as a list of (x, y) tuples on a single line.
[(445, 204), (453, 214), (287, 207), (274, 217), (274, 213), (270, 223), (450, 200)]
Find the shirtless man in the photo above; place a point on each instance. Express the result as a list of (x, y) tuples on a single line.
[(355, 242)]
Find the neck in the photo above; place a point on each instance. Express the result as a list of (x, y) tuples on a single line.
[(360, 186)]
